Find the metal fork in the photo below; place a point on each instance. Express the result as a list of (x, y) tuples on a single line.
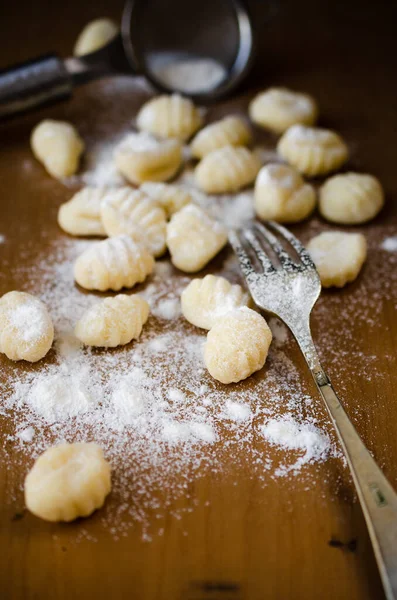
[(289, 287)]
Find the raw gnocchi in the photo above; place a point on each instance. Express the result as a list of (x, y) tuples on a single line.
[(113, 264), (126, 211), (282, 195), (193, 238), (338, 256), (312, 150), (227, 169), (94, 36), (68, 481), (278, 109), (58, 146), (205, 300), (170, 197), (113, 322), (230, 131), (169, 116), (140, 157), (237, 345), (81, 215), (351, 198), (26, 329)]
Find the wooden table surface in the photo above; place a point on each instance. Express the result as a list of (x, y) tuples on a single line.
[(287, 540)]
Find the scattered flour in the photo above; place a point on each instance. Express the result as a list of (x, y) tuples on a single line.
[(389, 244), (187, 74)]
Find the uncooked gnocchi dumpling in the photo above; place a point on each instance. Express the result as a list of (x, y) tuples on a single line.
[(131, 212), (113, 322), (26, 329), (140, 157), (194, 238), (113, 264), (58, 146), (227, 170), (237, 345), (278, 109), (95, 35), (351, 198), (170, 197), (81, 215), (170, 117), (338, 256), (282, 195), (205, 300), (312, 150), (230, 131), (68, 481)]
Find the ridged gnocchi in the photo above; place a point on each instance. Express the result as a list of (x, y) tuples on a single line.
[(131, 212), (237, 345), (81, 215), (26, 329), (113, 264), (312, 150), (170, 197), (141, 157), (113, 322), (170, 117), (278, 109), (351, 198), (94, 36), (338, 256), (68, 481), (282, 195), (58, 146), (194, 238), (205, 300), (227, 169), (230, 131)]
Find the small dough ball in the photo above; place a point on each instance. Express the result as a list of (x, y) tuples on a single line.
[(94, 36), (205, 300), (282, 195), (140, 157), (351, 198), (26, 329), (68, 481), (279, 108), (338, 256), (113, 322), (230, 131), (170, 117), (237, 345), (81, 215), (58, 146), (313, 151), (170, 197), (194, 238), (227, 170)]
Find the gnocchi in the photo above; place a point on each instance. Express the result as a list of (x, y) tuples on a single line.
[(94, 36), (126, 211), (193, 238), (113, 322), (170, 197), (205, 300), (169, 116), (227, 169), (140, 157), (68, 481), (312, 150), (81, 215), (351, 198), (282, 195), (278, 109), (113, 264), (26, 329), (230, 131), (237, 345), (58, 146), (338, 256)]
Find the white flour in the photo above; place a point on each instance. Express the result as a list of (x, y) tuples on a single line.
[(188, 74), (389, 244)]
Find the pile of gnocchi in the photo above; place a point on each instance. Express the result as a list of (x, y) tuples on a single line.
[(149, 215)]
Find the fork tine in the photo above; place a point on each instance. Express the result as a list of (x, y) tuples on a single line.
[(245, 262), (303, 254), (265, 261), (282, 255)]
